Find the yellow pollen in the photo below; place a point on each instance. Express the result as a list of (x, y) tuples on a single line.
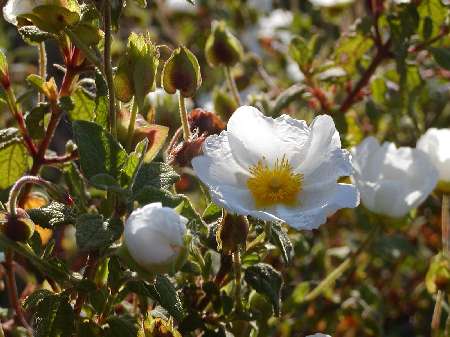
[(276, 185)]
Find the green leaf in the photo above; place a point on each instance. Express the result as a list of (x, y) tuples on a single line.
[(350, 51), (83, 106), (159, 175), (99, 152), (34, 120), (142, 3), (14, 162), (93, 232), (101, 100), (36, 81), (3, 64), (267, 281), (300, 52), (167, 296), (134, 163), (53, 214), (53, 315), (212, 212), (441, 56), (121, 326), (287, 97), (105, 182), (33, 35), (434, 11), (280, 239)]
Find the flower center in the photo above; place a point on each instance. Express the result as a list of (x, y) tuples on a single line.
[(274, 185)]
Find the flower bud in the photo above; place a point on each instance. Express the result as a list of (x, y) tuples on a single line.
[(224, 104), (181, 72), (222, 47), (438, 275), (232, 232), (136, 72), (205, 122), (182, 154), (18, 227), (155, 239), (48, 15)]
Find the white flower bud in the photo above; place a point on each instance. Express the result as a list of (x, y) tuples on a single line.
[(155, 238)]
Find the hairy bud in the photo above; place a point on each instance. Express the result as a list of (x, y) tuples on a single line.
[(232, 232), (17, 227), (222, 48)]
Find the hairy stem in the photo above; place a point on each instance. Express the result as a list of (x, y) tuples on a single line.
[(42, 66), (107, 63), (237, 277), (183, 117), (232, 86)]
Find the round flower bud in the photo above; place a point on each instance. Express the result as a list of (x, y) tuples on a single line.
[(181, 72), (157, 327), (18, 227), (232, 232), (222, 47), (155, 238), (224, 104)]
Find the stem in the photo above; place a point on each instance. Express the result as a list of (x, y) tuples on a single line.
[(89, 274), (107, 63), (232, 86), (382, 53), (12, 290), (347, 263), (440, 297), (237, 277), (134, 110), (183, 117), (42, 66), (12, 104), (84, 48)]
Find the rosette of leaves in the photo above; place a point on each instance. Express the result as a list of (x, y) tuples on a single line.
[(136, 72)]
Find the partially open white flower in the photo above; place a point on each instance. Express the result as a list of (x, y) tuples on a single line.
[(330, 3), (392, 180), (155, 238), (15, 8), (436, 144), (277, 169)]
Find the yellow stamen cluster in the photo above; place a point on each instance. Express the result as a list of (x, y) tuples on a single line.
[(274, 185)]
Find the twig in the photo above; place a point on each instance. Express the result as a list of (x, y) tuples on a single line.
[(232, 86), (107, 63)]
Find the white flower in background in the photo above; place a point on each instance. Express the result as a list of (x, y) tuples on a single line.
[(392, 180), (330, 3), (275, 25), (15, 8), (319, 335), (155, 238), (261, 5), (436, 144), (277, 169), (181, 6)]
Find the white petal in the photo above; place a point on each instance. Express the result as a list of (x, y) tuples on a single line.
[(435, 143), (252, 137), (217, 166), (316, 206)]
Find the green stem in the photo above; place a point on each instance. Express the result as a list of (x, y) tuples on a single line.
[(183, 117), (232, 86), (134, 111), (237, 277), (42, 66), (107, 62), (346, 264), (440, 297)]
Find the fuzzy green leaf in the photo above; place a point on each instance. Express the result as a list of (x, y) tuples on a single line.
[(93, 232)]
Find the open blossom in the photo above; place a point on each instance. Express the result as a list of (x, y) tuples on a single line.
[(154, 237), (277, 169), (392, 180), (436, 144)]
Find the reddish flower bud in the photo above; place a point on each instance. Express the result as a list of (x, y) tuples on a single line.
[(205, 122), (18, 227), (182, 154)]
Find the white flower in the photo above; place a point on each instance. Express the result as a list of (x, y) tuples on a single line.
[(154, 236), (436, 144), (319, 335), (15, 8), (392, 180), (275, 24), (330, 3), (181, 6), (277, 169)]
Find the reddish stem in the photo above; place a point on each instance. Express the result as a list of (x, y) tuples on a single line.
[(382, 53)]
